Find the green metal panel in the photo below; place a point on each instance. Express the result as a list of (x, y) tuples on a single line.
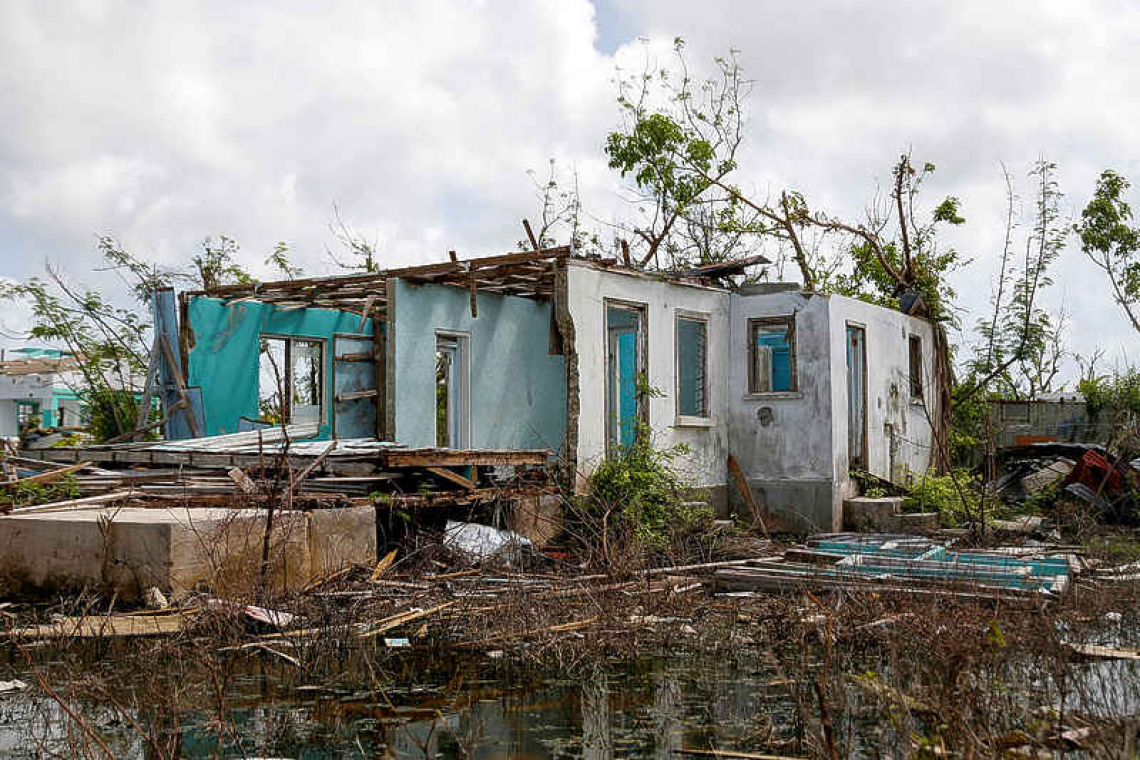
[(223, 358)]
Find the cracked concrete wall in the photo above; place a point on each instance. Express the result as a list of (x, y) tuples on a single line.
[(784, 440)]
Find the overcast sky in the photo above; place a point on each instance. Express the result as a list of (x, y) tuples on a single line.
[(162, 123)]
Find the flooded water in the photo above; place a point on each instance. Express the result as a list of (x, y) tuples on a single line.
[(652, 710), (480, 708)]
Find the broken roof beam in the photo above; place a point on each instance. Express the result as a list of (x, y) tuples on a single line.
[(429, 271), (724, 268)]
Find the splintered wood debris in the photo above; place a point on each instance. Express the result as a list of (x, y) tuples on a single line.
[(273, 462)]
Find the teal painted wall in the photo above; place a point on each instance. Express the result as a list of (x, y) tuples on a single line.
[(51, 414), (224, 356), (518, 389)]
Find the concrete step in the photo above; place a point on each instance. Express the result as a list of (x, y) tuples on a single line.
[(867, 513)]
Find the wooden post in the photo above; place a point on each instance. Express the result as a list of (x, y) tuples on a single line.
[(180, 386), (746, 492)]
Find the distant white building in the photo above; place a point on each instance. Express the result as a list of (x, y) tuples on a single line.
[(38, 384)]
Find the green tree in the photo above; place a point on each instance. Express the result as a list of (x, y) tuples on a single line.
[(1111, 243), (678, 139), (1022, 344)]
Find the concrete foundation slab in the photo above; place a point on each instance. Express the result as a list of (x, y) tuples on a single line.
[(130, 549)]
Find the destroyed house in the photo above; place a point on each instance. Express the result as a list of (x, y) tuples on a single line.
[(552, 350)]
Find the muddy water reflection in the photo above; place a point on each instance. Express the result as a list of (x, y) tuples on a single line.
[(436, 709), (652, 711)]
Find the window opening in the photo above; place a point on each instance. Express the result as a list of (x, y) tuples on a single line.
[(692, 366), (290, 380), (772, 355)]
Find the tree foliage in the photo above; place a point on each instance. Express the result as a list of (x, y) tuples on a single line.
[(1022, 343), (678, 139), (111, 339), (1111, 243)]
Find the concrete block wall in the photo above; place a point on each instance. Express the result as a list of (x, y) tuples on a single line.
[(784, 441)]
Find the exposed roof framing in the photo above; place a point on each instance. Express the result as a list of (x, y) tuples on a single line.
[(529, 274)]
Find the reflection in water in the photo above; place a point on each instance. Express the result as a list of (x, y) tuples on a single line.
[(597, 738), (667, 721), (652, 710)]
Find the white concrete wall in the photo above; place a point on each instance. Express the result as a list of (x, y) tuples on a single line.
[(26, 387), (797, 442), (8, 427), (894, 420), (792, 446), (588, 290), (784, 440)]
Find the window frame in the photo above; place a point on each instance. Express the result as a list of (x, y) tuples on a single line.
[(27, 410), (287, 402), (1016, 419), (705, 418), (781, 320), (915, 381)]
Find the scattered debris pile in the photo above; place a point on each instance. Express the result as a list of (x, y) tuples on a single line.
[(255, 465), (908, 564), (1086, 472)]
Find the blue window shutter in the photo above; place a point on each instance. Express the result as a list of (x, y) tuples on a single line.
[(781, 359)]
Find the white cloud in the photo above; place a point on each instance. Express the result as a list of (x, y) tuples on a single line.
[(163, 123)]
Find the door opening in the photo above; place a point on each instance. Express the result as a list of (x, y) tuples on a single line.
[(856, 397), (625, 366), (452, 392)]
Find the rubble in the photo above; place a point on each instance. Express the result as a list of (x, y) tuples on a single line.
[(886, 563)]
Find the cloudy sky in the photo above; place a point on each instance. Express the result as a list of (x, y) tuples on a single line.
[(163, 123)]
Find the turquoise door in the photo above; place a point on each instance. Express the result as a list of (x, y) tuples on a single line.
[(625, 362)]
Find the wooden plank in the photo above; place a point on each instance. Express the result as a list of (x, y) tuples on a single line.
[(371, 299), (46, 477), (70, 504), (427, 270), (472, 282), (244, 482), (530, 235), (312, 466), (746, 492), (180, 386), (98, 626), (730, 753), (460, 457), (454, 477), (148, 389)]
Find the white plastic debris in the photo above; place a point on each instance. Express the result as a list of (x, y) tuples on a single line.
[(484, 542), (154, 599), (15, 685)]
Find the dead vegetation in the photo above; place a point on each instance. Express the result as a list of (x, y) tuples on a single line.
[(861, 672)]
